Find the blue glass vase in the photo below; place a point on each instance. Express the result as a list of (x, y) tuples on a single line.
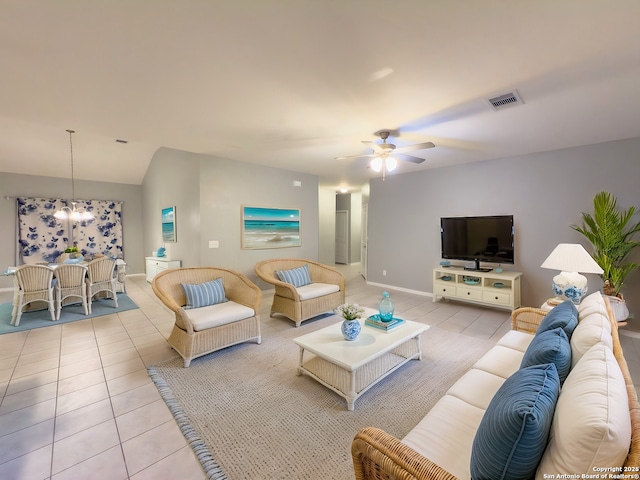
[(385, 308), (351, 329)]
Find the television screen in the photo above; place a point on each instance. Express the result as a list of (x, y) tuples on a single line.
[(486, 239)]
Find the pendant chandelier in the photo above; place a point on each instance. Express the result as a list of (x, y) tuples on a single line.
[(74, 214)]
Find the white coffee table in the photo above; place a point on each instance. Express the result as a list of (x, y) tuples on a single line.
[(350, 368)]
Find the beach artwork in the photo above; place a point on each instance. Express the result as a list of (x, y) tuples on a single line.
[(270, 227), (169, 224)]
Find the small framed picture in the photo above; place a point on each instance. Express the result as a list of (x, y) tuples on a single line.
[(169, 224)]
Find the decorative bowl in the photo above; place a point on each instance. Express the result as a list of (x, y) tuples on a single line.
[(498, 284)]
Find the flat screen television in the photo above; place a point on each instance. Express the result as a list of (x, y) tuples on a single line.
[(478, 239)]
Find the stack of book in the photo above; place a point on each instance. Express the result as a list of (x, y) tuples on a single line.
[(376, 322)]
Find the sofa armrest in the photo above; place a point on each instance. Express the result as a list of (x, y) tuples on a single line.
[(527, 319), (324, 274), (183, 321), (378, 455), (240, 289)]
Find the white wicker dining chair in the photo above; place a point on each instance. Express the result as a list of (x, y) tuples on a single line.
[(32, 284), (71, 283), (101, 278)]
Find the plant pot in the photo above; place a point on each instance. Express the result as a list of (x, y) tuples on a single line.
[(619, 308)]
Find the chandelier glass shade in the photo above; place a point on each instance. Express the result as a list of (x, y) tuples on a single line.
[(74, 213)]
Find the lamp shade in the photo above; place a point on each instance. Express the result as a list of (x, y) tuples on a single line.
[(571, 257)]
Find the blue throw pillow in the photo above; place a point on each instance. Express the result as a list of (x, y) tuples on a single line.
[(298, 277), (551, 346), (204, 294), (513, 432), (564, 316)]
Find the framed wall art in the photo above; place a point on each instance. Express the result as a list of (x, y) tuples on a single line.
[(169, 224), (264, 227)]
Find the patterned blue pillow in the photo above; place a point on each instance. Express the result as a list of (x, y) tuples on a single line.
[(551, 346), (298, 277), (513, 432), (564, 316), (204, 294)]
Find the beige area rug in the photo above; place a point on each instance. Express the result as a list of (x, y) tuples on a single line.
[(260, 420)]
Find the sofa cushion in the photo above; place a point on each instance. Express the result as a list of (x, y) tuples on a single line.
[(501, 361), (595, 328), (218, 314), (476, 387), (516, 340), (446, 438), (204, 294), (296, 276), (564, 316), (513, 433), (315, 290), (551, 346), (594, 298), (591, 425)]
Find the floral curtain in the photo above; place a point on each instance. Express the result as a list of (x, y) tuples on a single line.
[(42, 237)]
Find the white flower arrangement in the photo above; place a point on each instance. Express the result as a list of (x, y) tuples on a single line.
[(350, 311)]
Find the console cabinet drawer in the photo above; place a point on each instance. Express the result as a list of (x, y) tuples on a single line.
[(469, 294), (497, 297), (445, 289)]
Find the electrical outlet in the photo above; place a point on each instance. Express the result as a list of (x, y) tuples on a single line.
[(384, 273), (214, 244)]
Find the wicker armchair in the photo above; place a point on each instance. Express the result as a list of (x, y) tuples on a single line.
[(287, 301), (33, 283), (184, 338)]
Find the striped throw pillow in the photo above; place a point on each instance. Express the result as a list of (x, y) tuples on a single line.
[(204, 294), (298, 277)]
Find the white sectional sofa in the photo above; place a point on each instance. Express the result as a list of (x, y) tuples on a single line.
[(569, 408)]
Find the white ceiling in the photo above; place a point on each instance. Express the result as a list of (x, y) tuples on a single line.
[(295, 83)]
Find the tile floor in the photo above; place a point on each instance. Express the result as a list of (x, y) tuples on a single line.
[(77, 402)]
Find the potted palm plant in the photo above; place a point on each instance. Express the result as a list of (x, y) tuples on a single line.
[(611, 231)]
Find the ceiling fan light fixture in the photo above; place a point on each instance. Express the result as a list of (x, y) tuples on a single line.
[(390, 164), (376, 164)]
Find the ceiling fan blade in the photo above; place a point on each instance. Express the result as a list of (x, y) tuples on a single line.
[(356, 156), (417, 146), (376, 148), (409, 158)]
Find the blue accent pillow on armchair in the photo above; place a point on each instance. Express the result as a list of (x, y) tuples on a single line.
[(514, 430), (204, 294), (298, 277)]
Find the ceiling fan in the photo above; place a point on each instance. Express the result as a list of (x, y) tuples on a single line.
[(382, 159)]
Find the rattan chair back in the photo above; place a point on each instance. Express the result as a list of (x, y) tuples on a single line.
[(101, 278), (71, 283), (32, 284)]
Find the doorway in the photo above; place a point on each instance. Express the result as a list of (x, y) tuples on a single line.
[(342, 236)]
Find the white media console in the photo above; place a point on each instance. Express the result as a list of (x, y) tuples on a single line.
[(490, 288)]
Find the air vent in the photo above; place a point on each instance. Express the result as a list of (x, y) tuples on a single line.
[(506, 100)]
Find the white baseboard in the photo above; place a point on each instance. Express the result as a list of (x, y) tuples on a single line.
[(407, 290)]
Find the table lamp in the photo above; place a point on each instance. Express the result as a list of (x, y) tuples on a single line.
[(571, 259)]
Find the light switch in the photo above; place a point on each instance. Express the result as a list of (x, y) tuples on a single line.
[(214, 244)]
